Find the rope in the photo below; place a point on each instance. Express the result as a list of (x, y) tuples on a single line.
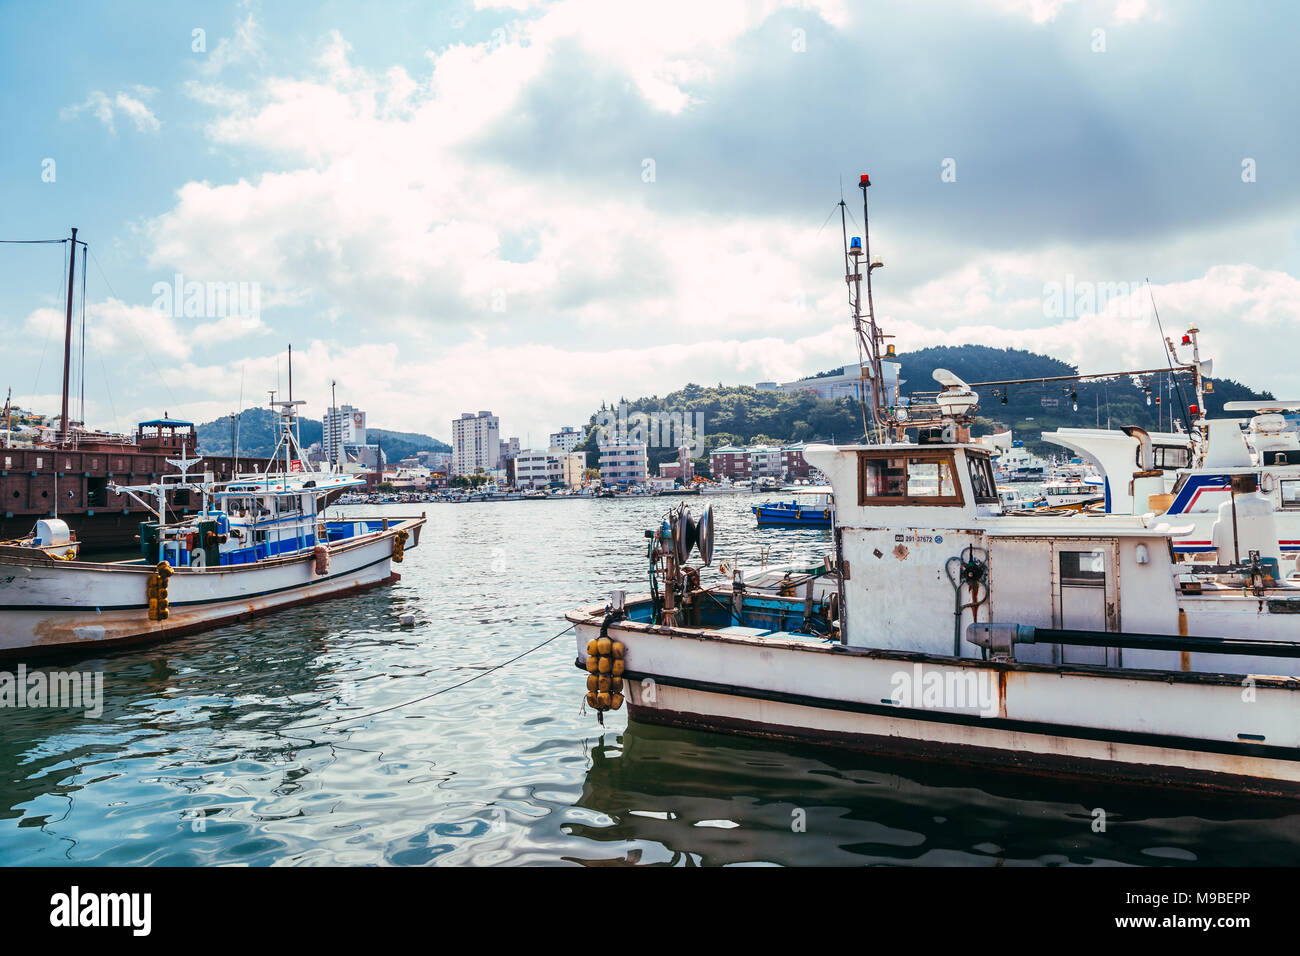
[(417, 700)]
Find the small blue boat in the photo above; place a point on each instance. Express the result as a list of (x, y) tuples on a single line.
[(813, 508)]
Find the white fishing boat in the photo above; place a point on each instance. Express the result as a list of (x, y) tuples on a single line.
[(1049, 644), (1190, 477), (258, 543)]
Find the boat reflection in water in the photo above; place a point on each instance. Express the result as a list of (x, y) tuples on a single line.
[(663, 796)]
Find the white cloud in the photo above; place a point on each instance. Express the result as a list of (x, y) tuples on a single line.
[(453, 280), (129, 105), (244, 45)]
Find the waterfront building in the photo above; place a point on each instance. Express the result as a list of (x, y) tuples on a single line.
[(765, 461), (729, 461), (683, 469), (793, 461), (572, 465), (533, 468), (475, 443), (623, 463)]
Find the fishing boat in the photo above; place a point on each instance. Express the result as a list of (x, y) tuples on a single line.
[(257, 543), (1189, 477), (1042, 644), (811, 508)]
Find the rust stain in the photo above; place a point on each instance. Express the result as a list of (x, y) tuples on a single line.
[(901, 552)]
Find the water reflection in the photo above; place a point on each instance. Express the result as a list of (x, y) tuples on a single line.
[(683, 797)]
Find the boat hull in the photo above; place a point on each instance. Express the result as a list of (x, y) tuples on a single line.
[(788, 517), (52, 608), (1191, 730)]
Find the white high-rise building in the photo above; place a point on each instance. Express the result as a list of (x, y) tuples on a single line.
[(343, 425), (475, 443), (567, 438)]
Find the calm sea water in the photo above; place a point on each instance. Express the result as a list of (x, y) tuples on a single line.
[(203, 756)]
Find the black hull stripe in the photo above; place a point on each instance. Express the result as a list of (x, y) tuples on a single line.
[(234, 597), (1196, 744)]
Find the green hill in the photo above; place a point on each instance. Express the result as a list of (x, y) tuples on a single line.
[(1030, 409), (257, 436), (741, 414)]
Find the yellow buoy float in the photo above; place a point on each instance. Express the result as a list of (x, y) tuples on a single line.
[(605, 666)]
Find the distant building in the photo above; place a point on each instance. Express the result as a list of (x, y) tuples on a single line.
[(475, 443), (683, 469), (342, 426), (765, 461), (532, 468), (846, 384), (553, 467), (509, 448), (623, 463), (729, 461), (566, 439), (792, 459), (435, 460), (572, 465)]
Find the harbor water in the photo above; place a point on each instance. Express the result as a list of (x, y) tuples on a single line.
[(310, 737)]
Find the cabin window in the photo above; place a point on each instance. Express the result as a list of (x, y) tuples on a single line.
[(1083, 569), (981, 478), (1291, 494), (922, 479), (1166, 457)]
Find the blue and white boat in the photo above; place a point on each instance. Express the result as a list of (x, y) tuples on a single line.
[(258, 543), (811, 508)]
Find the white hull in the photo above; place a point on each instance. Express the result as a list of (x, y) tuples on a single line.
[(49, 607), (1195, 730)]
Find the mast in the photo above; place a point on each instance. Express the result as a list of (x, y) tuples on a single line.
[(873, 347), (67, 340), (853, 277), (870, 370)]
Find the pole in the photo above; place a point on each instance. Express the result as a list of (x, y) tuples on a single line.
[(67, 338), (873, 348)]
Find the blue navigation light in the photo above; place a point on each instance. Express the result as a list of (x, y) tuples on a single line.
[(855, 243)]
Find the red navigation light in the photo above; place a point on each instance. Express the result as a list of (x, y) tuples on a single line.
[(1187, 340), (1195, 409), (864, 180)]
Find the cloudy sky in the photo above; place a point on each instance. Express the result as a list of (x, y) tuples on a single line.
[(530, 207)]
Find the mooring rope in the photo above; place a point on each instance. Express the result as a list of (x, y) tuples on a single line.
[(384, 710)]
